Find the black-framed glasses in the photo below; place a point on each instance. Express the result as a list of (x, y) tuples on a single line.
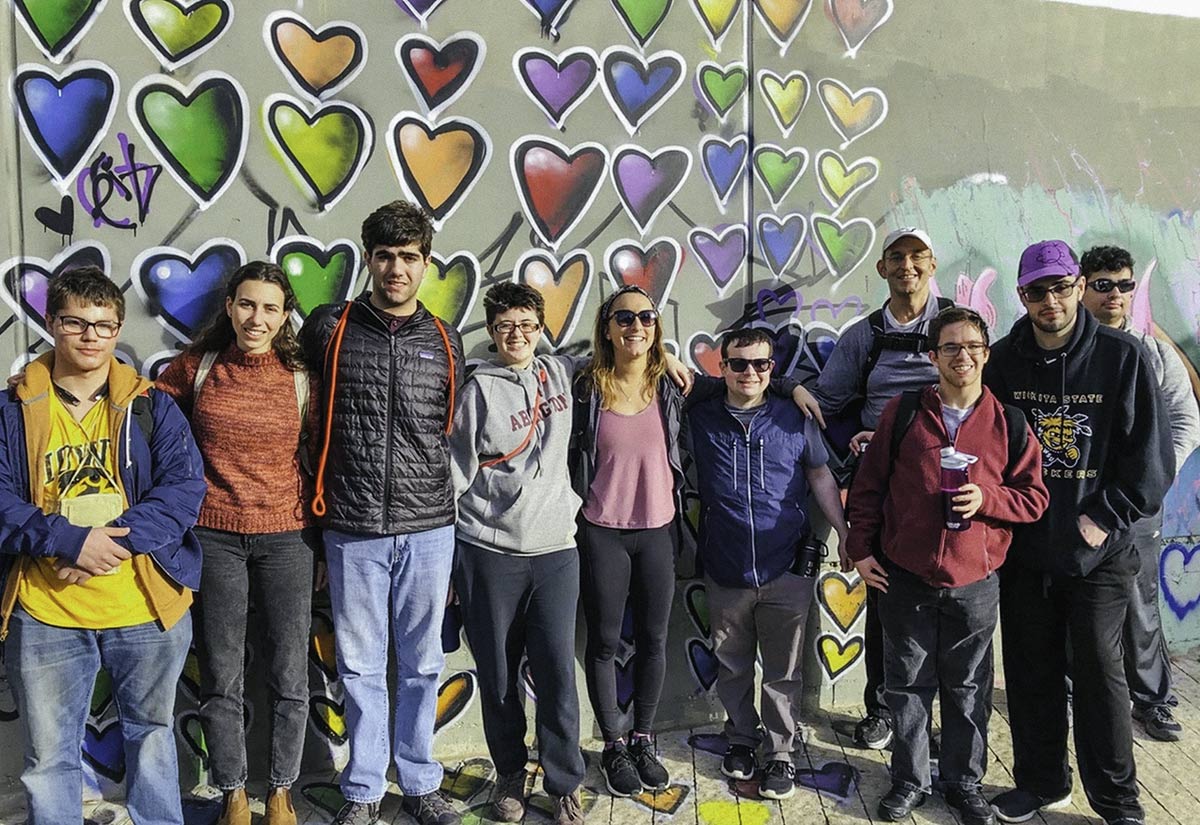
[(1037, 294), (73, 325), (760, 365), (1107, 285), (973, 348), (526, 327), (626, 317)]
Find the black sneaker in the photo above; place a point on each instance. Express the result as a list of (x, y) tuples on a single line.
[(1159, 722), (739, 762), (620, 773), (778, 781), (899, 803), (1020, 806), (972, 807), (357, 813), (653, 775), (874, 732), (431, 809)]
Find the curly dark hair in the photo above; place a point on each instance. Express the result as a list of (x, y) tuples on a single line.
[(746, 337), (218, 333), (508, 295), (955, 315), (398, 223), (1105, 259), (89, 286)]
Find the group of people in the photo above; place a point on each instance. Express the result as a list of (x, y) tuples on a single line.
[(375, 464)]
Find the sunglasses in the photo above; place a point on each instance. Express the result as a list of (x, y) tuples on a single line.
[(1037, 294), (626, 317), (1107, 285), (760, 365)]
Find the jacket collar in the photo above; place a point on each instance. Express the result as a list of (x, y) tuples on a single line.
[(124, 383), (1083, 336)]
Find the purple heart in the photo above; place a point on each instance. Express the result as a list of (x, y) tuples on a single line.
[(721, 254), (65, 118), (645, 182), (714, 743), (557, 85), (1172, 574), (635, 87), (26, 280), (548, 11), (104, 750), (184, 290), (724, 162), (703, 663), (786, 296), (837, 779), (419, 9), (781, 239)]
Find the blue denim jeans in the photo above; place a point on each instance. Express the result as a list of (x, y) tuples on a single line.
[(373, 580), (52, 671)]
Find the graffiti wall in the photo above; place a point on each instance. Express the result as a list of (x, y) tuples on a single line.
[(739, 159)]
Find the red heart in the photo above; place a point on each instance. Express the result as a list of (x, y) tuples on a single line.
[(439, 72), (705, 353), (653, 268), (434, 70), (557, 185)]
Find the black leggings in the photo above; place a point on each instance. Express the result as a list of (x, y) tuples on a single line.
[(620, 565)]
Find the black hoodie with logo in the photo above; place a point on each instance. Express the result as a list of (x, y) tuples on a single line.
[(1096, 408)]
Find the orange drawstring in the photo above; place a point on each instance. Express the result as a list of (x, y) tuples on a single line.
[(335, 345), (450, 361), (537, 416)]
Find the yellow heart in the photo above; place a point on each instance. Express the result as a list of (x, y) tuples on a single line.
[(468, 780), (716, 16), (783, 17), (837, 657), (733, 812), (842, 600), (839, 182), (454, 697), (663, 802), (785, 95), (852, 114)]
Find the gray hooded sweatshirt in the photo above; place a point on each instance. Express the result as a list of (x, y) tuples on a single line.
[(523, 505)]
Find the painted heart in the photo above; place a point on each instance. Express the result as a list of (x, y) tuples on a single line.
[(653, 267), (852, 114), (783, 19), (1179, 577), (714, 743), (720, 253), (453, 698), (322, 645), (60, 221), (703, 663), (728, 811), (420, 9), (189, 680), (556, 185), (837, 657), (472, 776), (102, 695), (564, 286), (176, 32), (25, 280), (646, 182), (716, 16), (781, 240), (325, 796), (637, 86), (324, 150), (317, 62), (57, 25), (557, 84), (838, 182), (450, 287), (704, 352), (695, 600), (666, 801), (642, 17), (779, 169), (843, 245), (549, 13), (451, 625), (104, 749), (625, 683), (440, 72), (65, 116), (319, 274), (189, 729), (183, 290), (786, 96), (691, 508), (198, 131), (857, 19), (437, 165), (199, 811), (834, 779), (329, 718), (841, 599), (724, 162), (721, 86)]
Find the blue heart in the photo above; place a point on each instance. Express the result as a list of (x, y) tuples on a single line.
[(1181, 604), (183, 290), (703, 662), (780, 239), (104, 750), (836, 779), (65, 118), (724, 162), (548, 10), (636, 87)]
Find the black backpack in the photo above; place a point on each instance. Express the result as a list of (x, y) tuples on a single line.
[(910, 402)]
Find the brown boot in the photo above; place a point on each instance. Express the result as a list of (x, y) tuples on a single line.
[(279, 808), (235, 808)]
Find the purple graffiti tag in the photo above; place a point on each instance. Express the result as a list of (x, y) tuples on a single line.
[(785, 296), (104, 179)]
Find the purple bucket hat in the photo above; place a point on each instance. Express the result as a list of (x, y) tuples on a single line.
[(1046, 259)]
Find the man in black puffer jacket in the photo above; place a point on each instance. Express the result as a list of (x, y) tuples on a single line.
[(389, 371)]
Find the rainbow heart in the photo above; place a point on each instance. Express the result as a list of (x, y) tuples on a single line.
[(781, 240), (557, 84), (25, 280), (450, 287), (852, 114), (564, 287), (317, 62), (439, 73), (724, 162), (319, 274), (184, 290), (841, 599), (179, 33), (637, 86), (783, 19), (721, 253), (556, 185), (705, 354), (653, 268), (838, 182), (720, 85), (324, 150), (65, 116), (843, 245), (779, 169), (786, 96), (857, 19), (198, 131), (716, 16), (837, 657), (57, 25), (646, 182), (453, 698), (642, 17), (437, 165)]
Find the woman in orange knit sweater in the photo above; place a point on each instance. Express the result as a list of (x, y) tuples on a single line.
[(242, 385)]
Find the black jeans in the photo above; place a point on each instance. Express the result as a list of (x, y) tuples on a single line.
[(619, 566), (277, 570), (873, 691), (1147, 667), (1038, 613), (512, 604), (938, 642)]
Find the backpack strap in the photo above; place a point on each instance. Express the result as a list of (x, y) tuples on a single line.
[(300, 377), (882, 340), (910, 402), (875, 321), (1018, 435), (144, 416), (206, 364)]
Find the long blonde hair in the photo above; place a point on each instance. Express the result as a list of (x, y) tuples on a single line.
[(603, 369)]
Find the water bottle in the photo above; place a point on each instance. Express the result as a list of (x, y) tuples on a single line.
[(954, 475)]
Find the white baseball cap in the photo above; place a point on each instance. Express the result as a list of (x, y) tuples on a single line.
[(907, 232)]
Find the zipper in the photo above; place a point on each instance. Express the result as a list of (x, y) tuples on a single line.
[(387, 429), (750, 510), (762, 484), (735, 472)]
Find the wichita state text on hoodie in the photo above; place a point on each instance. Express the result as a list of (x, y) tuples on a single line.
[(1096, 408)]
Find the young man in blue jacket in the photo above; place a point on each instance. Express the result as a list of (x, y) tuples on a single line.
[(757, 457), (100, 484)]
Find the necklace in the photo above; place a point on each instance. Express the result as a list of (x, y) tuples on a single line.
[(68, 397)]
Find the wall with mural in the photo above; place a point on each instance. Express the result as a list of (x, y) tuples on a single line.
[(739, 159)]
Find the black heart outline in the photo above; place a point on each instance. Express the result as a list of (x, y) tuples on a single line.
[(782, 37), (443, 54), (787, 154), (676, 163), (318, 721), (724, 73), (694, 648), (197, 748), (648, 255), (455, 711), (472, 266), (521, 62), (558, 270), (146, 262), (65, 168), (84, 253), (689, 601), (72, 35), (590, 187), (777, 266), (323, 255), (480, 153), (309, 792), (642, 41), (101, 733), (319, 617), (138, 19), (362, 152), (823, 601), (549, 22), (841, 644), (421, 17), (327, 32), (633, 118)]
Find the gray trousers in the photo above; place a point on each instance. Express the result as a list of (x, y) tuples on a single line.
[(770, 619), (1147, 668)]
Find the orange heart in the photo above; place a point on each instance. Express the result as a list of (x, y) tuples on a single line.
[(437, 165), (665, 801), (564, 287), (783, 18), (318, 62), (842, 600)]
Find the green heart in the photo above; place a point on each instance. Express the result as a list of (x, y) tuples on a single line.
[(697, 598), (324, 795), (178, 30), (449, 287), (101, 693), (643, 16), (778, 169), (56, 21), (722, 86), (201, 135), (326, 149), (844, 245), (316, 283)]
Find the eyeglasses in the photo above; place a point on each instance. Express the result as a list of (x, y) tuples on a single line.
[(625, 317), (1107, 285), (760, 365), (1037, 294), (898, 258), (526, 327), (973, 348), (78, 326)]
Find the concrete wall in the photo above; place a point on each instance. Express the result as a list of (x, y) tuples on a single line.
[(743, 174)]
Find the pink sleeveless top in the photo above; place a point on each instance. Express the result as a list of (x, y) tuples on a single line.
[(632, 488)]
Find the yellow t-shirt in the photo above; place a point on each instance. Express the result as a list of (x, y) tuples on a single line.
[(81, 460)]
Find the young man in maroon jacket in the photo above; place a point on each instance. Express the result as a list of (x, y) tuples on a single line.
[(940, 589)]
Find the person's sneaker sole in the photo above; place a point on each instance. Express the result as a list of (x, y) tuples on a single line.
[(737, 774), (1052, 805), (769, 794), (653, 788), (611, 789), (877, 744)]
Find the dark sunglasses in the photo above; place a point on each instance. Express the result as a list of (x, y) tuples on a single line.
[(1107, 285), (760, 365), (626, 317), (1037, 294)]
